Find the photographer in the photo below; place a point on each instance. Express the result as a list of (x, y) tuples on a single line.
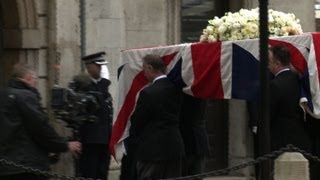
[(95, 159), (26, 138)]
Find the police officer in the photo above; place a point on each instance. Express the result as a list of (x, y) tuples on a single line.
[(95, 158)]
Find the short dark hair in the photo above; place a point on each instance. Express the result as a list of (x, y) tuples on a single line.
[(21, 69), (156, 62), (281, 53)]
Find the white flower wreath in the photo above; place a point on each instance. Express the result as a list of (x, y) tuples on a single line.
[(245, 25)]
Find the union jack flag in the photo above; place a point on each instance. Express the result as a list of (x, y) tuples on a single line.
[(220, 70)]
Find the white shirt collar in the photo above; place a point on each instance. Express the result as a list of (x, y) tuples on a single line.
[(159, 77), (285, 69), (96, 80)]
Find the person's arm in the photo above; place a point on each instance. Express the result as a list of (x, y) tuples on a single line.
[(140, 116), (273, 101), (37, 125)]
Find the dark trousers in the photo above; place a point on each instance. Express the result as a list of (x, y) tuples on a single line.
[(153, 170), (193, 165), (24, 176), (313, 129), (94, 161), (128, 168)]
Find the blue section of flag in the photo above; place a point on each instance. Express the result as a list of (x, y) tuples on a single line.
[(175, 74), (245, 74)]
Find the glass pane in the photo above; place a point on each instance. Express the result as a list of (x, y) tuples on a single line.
[(195, 16)]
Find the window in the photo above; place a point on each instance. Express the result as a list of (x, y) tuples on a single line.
[(317, 9), (317, 14), (194, 18)]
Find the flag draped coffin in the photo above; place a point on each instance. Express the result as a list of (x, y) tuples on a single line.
[(220, 70)]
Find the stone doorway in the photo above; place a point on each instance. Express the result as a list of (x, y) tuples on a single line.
[(17, 18)]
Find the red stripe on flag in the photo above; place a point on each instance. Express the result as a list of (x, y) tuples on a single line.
[(138, 83), (297, 59), (316, 43), (207, 70)]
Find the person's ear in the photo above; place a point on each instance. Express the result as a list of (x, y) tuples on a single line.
[(150, 67), (277, 62)]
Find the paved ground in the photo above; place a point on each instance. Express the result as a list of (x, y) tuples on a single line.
[(227, 178), (114, 173)]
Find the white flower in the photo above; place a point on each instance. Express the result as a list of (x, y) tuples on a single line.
[(215, 22), (203, 38), (209, 29), (222, 29), (253, 28), (211, 38), (236, 25), (245, 25)]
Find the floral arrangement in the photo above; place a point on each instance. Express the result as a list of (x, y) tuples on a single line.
[(245, 25)]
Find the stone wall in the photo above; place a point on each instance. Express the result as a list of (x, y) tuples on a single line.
[(105, 31), (151, 22), (304, 10), (112, 26), (63, 58)]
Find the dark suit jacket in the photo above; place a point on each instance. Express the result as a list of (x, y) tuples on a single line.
[(286, 117), (99, 132), (155, 123), (193, 126)]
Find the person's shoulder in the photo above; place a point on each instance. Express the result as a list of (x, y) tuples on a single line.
[(105, 81), (288, 76), (21, 94), (163, 81), (163, 85)]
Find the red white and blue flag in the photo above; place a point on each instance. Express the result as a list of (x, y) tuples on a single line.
[(220, 70)]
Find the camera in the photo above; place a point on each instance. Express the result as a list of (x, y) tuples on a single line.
[(74, 106)]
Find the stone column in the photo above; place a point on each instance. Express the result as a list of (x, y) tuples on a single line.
[(63, 59), (291, 166), (240, 137)]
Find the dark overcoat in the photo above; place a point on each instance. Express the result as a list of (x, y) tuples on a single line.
[(26, 137)]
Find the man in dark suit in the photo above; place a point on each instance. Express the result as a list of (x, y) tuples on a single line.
[(95, 159), (194, 134), (286, 117), (154, 131)]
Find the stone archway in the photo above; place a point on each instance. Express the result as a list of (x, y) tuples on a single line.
[(19, 37)]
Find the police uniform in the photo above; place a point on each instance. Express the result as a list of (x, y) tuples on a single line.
[(95, 158)]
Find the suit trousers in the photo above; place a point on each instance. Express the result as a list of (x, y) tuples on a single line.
[(192, 165), (161, 169), (128, 168), (94, 161)]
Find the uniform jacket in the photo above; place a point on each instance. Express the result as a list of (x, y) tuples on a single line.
[(286, 118), (155, 122), (99, 131), (26, 137)]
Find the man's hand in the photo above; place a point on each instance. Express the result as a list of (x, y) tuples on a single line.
[(74, 147)]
